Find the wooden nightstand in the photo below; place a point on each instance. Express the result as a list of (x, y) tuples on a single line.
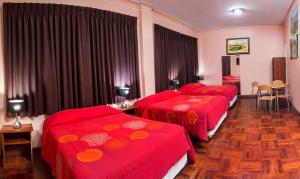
[(16, 146), (129, 110)]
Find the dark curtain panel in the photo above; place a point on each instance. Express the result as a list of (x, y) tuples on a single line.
[(226, 66), (176, 57), (60, 57)]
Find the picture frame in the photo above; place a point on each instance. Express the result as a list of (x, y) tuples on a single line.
[(237, 46), (294, 34), (294, 23), (294, 47)]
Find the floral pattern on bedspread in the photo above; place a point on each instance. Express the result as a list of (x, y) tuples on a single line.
[(89, 144), (198, 114)]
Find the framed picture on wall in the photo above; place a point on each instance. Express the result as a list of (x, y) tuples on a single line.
[(236, 46), (294, 22), (294, 34), (294, 47)]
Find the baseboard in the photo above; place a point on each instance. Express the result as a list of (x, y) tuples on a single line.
[(247, 96)]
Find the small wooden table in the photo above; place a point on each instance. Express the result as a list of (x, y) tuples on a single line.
[(130, 109), (17, 146)]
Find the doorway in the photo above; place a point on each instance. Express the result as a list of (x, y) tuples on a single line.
[(231, 71)]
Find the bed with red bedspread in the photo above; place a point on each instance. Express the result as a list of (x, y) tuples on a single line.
[(198, 114), (231, 77), (228, 91), (232, 80), (102, 142)]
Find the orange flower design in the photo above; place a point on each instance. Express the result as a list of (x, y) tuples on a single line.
[(137, 124), (89, 155), (116, 143), (170, 117), (192, 117), (154, 126), (111, 127), (68, 138), (95, 139), (136, 135), (204, 91)]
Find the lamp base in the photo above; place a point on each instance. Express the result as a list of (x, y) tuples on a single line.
[(124, 104), (17, 124)]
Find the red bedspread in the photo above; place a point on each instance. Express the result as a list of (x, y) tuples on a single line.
[(231, 77), (228, 91), (198, 114), (102, 142), (232, 80)]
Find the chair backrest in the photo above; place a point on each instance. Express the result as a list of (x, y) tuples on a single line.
[(286, 88), (278, 82), (287, 85), (266, 89), (255, 84)]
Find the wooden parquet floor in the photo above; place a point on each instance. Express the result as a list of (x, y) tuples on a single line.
[(250, 145)]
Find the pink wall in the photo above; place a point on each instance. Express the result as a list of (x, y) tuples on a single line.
[(266, 41), (293, 66)]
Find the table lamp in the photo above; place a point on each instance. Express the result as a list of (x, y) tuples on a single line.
[(175, 83), (124, 92), (16, 107), (200, 78)]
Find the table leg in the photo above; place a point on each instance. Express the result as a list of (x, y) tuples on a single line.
[(277, 101)]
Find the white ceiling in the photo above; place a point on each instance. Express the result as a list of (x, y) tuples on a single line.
[(208, 14)]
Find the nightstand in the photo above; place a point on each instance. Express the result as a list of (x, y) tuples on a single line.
[(16, 146), (130, 109)]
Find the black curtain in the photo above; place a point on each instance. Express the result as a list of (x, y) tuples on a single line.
[(60, 56), (176, 57), (226, 66)]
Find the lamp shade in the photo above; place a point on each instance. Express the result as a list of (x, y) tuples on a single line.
[(16, 106), (174, 82), (123, 91)]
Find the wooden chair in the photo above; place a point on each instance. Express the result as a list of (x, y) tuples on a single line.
[(265, 94), (278, 82), (278, 87), (285, 95), (255, 85)]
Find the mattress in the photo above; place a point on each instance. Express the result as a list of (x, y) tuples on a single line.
[(212, 132), (176, 168)]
